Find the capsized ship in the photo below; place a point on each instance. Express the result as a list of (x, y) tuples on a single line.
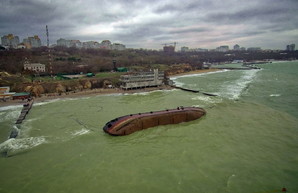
[(134, 122)]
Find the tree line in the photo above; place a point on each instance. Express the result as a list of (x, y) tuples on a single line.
[(75, 60)]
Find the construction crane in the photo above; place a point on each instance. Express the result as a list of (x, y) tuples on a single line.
[(174, 43), (49, 52)]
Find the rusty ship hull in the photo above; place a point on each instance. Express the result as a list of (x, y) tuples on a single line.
[(135, 122)]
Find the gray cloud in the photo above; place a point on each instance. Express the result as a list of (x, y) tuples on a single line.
[(148, 24)]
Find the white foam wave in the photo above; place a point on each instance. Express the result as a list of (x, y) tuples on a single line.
[(202, 98), (144, 93), (113, 94), (275, 95), (80, 132), (13, 144), (11, 107), (206, 100), (199, 74), (11, 115), (181, 84), (178, 83), (46, 102), (234, 89), (141, 93)]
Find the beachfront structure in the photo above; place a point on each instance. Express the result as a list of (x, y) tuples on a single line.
[(142, 79), (5, 93), (10, 41), (35, 67)]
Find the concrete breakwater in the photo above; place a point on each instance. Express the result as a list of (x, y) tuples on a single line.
[(25, 110), (194, 91)]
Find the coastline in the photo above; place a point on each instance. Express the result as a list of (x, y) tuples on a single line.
[(196, 72), (99, 91)]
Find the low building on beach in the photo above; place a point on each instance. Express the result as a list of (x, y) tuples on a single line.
[(142, 79), (5, 93), (21, 95)]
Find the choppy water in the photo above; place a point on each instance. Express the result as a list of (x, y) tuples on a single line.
[(248, 142)]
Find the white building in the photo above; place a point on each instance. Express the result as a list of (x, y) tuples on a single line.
[(141, 80), (35, 67)]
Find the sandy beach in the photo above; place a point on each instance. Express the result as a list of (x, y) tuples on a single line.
[(99, 91)]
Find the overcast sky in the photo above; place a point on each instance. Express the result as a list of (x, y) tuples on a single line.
[(150, 23)]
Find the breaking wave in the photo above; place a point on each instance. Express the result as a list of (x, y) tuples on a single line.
[(181, 84), (275, 95), (11, 107), (15, 145), (199, 74), (233, 90), (80, 132), (11, 115)]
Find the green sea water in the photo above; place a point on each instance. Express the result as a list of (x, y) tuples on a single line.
[(247, 142)]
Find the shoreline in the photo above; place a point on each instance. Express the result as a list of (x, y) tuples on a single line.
[(100, 91)]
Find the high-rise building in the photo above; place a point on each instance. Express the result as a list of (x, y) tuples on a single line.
[(291, 47), (106, 44), (222, 48), (10, 40), (91, 44), (63, 42), (32, 42), (169, 49), (184, 49), (236, 47), (69, 43)]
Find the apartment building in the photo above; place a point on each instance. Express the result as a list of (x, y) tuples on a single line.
[(10, 41)]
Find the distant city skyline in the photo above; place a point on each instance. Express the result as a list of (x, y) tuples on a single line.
[(269, 24), (33, 42)]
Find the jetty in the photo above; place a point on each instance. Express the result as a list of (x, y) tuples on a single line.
[(191, 90), (25, 111)]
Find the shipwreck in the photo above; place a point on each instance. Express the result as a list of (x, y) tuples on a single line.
[(134, 122)]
